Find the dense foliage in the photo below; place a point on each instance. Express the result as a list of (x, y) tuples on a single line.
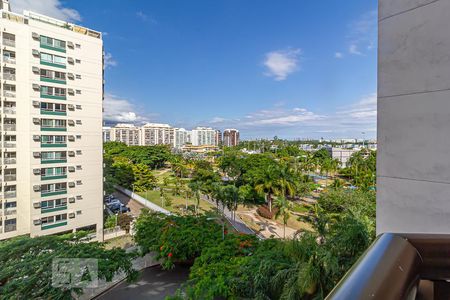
[(26, 265)]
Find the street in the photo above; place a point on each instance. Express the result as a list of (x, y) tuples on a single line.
[(153, 283)]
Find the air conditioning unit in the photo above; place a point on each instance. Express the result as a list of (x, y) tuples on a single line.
[(71, 215), (70, 60), (70, 76), (71, 91), (71, 122), (35, 69), (36, 188), (36, 103), (71, 153), (36, 86), (70, 106), (35, 35), (71, 184), (71, 138), (79, 197), (71, 199), (70, 45), (37, 171), (35, 52), (37, 204), (71, 169), (36, 154), (37, 222), (36, 138), (36, 121)]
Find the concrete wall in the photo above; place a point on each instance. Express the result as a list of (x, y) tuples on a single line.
[(414, 116)]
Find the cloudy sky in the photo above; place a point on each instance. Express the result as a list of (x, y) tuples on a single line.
[(291, 68)]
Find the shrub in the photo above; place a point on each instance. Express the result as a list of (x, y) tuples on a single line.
[(265, 212)]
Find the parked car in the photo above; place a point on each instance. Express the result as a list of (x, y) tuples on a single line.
[(119, 208), (113, 202)]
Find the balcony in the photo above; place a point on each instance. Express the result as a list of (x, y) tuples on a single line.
[(9, 110), (9, 76), (44, 128), (55, 97), (53, 225), (52, 177), (9, 161), (10, 194), (52, 47), (9, 94), (9, 228), (9, 127), (53, 145), (53, 193), (53, 161), (10, 211), (52, 64), (53, 112), (9, 60), (9, 144), (53, 80), (53, 209), (10, 177), (9, 42)]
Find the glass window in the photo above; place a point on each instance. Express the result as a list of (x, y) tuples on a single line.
[(46, 40), (46, 73), (60, 44), (59, 60), (60, 123), (47, 123), (46, 57)]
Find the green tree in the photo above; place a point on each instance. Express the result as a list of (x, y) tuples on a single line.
[(144, 180), (284, 207)]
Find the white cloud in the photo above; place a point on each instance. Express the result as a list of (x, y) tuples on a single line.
[(119, 110), (145, 18), (281, 63), (363, 33), (52, 8), (338, 55), (365, 110), (109, 60)]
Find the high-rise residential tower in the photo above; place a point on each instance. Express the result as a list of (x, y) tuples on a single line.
[(201, 136), (51, 126), (230, 137)]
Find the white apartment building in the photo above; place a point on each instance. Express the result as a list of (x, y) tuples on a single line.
[(125, 133), (51, 119), (201, 136), (106, 134), (181, 137), (156, 134), (342, 154)]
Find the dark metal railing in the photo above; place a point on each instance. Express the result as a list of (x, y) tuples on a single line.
[(399, 266)]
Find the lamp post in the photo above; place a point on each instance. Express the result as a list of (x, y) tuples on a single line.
[(223, 225)]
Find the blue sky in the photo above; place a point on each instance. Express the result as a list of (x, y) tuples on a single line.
[(294, 69)]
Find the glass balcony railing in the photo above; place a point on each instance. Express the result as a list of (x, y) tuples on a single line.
[(9, 127), (9, 144), (10, 194), (46, 193), (9, 76), (9, 60), (9, 110), (9, 161), (9, 94), (10, 211), (10, 177), (8, 42)]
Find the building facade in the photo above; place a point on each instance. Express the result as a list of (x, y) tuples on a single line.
[(201, 136), (126, 133), (218, 138), (181, 137), (51, 122), (156, 134), (230, 137)]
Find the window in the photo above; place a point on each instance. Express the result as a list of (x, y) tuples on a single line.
[(57, 155), (79, 152), (46, 57), (54, 203), (53, 219), (78, 91), (46, 73), (78, 76), (78, 122), (79, 182), (78, 106), (59, 60), (10, 225), (53, 139), (78, 61), (78, 45), (48, 41), (45, 40), (59, 44), (79, 168), (78, 137), (11, 204), (78, 212), (60, 75), (46, 123)]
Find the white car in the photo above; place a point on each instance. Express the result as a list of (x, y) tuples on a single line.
[(113, 202)]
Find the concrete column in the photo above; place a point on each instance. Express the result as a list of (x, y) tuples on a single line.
[(414, 116)]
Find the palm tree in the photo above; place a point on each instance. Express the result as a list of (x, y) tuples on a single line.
[(195, 190), (267, 185), (284, 206)]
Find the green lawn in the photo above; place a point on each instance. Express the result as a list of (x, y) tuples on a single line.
[(178, 202)]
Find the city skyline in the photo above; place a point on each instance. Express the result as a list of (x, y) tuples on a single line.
[(301, 75)]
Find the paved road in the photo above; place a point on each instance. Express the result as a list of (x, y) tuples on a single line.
[(135, 207), (237, 223), (154, 283)]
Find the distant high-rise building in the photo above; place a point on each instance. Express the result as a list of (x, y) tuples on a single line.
[(106, 134), (126, 133), (218, 138), (230, 137), (201, 136), (181, 137), (156, 134), (51, 121)]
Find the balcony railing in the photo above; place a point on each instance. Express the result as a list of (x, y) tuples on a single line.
[(9, 110), (9, 94), (9, 76), (9, 145), (9, 127), (399, 266), (9, 160), (9, 228), (9, 60), (10, 211), (10, 177), (10, 194), (8, 42)]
